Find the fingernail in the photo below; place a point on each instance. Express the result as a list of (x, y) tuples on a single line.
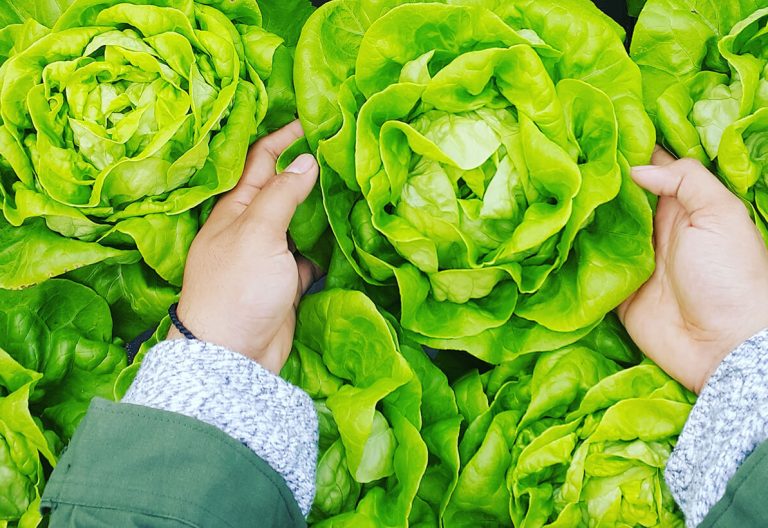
[(301, 164)]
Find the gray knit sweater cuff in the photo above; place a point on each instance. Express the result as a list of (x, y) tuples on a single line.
[(728, 422), (275, 419)]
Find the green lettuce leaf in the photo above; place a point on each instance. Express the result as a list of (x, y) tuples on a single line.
[(286, 18), (389, 423), (45, 12), (23, 446), (62, 330), (138, 298), (568, 438)]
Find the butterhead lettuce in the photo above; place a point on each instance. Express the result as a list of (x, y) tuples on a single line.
[(568, 438), (476, 155), (63, 330), (372, 457), (57, 352), (705, 79), (389, 422), (120, 122)]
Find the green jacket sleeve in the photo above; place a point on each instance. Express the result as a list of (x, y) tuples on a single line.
[(130, 466), (744, 503)]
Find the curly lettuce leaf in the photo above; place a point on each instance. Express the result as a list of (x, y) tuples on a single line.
[(121, 122), (137, 297), (354, 344), (567, 438), (705, 80), (389, 423), (286, 18)]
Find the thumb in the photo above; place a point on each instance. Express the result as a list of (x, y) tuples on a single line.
[(273, 208), (686, 180)]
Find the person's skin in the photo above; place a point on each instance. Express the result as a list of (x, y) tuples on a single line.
[(709, 292), (240, 265)]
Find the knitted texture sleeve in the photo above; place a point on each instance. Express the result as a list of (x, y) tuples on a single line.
[(729, 420), (275, 419)]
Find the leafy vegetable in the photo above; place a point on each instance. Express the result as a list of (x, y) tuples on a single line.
[(119, 123), (346, 356), (56, 354), (286, 18), (45, 12), (137, 297), (62, 330), (476, 154), (568, 439), (562, 438), (389, 424), (22, 444), (705, 79), (474, 182)]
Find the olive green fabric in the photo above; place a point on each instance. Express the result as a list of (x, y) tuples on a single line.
[(131, 466), (745, 503)]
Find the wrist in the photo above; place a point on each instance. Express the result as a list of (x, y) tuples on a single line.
[(173, 333), (186, 325), (177, 329)]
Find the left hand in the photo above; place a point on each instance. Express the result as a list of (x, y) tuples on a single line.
[(707, 294), (242, 283)]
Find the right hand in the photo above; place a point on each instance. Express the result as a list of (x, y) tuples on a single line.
[(709, 292)]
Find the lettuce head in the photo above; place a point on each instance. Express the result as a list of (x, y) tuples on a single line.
[(568, 438), (475, 161), (705, 78), (120, 120)]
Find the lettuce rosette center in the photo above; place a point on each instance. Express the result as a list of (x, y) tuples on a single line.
[(474, 165)]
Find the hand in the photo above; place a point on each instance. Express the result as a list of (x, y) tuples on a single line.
[(709, 292), (241, 282)]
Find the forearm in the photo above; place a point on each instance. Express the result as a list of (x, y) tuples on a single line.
[(275, 419), (727, 423)]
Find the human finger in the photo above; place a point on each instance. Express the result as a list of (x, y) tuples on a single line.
[(274, 206), (259, 169), (262, 157), (686, 180)]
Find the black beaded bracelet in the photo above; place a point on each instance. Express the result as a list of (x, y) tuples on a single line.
[(180, 327)]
